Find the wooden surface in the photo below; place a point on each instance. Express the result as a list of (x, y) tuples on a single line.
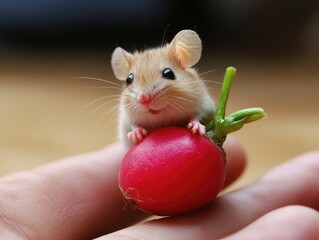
[(40, 106)]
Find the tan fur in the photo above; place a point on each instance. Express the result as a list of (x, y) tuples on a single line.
[(179, 101)]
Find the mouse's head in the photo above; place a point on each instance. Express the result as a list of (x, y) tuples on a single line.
[(160, 83)]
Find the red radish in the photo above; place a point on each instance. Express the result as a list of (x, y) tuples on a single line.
[(173, 171)]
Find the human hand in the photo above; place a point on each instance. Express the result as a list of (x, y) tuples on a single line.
[(79, 198)]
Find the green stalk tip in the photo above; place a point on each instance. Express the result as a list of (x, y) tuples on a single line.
[(221, 125), (228, 79)]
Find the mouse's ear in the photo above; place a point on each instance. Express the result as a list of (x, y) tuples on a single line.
[(121, 61), (187, 47)]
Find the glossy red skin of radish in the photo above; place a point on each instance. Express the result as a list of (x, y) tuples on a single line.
[(171, 172)]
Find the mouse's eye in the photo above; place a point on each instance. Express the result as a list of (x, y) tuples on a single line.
[(129, 79), (168, 74)]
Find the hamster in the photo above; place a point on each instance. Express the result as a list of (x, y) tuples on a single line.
[(162, 88)]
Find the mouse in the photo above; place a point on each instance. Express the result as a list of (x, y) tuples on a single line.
[(162, 88)]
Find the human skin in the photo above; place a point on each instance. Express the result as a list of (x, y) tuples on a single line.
[(79, 198)]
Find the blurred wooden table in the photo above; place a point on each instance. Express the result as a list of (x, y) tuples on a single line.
[(40, 104)]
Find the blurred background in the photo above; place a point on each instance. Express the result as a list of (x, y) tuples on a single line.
[(47, 114)]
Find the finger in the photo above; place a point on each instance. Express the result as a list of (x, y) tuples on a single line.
[(293, 183), (235, 160), (80, 193), (76, 198), (278, 225)]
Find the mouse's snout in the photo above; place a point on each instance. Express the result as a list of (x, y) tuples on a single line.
[(146, 98)]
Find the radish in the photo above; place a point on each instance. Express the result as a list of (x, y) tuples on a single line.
[(173, 171)]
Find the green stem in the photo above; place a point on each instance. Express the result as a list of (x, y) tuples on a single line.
[(222, 125), (228, 80)]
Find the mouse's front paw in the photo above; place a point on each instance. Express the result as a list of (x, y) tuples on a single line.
[(137, 134), (196, 127)]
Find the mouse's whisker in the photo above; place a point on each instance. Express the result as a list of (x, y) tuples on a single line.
[(178, 108), (115, 113), (128, 105), (105, 103), (164, 35), (131, 107), (170, 113), (130, 90), (92, 103), (98, 79), (185, 99), (212, 81), (115, 107), (182, 100), (135, 110), (100, 87), (206, 72)]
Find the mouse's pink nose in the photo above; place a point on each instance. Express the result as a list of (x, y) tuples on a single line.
[(145, 98)]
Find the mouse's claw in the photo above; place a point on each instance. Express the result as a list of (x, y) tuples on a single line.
[(196, 127), (137, 135)]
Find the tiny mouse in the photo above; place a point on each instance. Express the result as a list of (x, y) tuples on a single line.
[(162, 88)]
